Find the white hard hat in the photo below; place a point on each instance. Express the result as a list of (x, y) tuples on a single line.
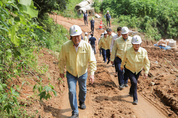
[(124, 30), (75, 30), (136, 39), (92, 18), (105, 32), (86, 33), (107, 10)]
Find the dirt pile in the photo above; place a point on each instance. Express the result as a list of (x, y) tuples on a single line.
[(161, 87)]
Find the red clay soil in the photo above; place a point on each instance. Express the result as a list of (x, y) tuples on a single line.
[(158, 94), (161, 88)]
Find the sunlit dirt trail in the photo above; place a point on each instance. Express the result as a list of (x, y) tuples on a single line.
[(104, 99)]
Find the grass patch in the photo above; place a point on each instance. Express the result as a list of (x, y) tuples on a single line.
[(54, 35), (70, 9), (155, 18)]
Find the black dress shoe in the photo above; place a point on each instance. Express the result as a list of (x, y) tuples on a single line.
[(74, 116), (82, 105), (108, 61)]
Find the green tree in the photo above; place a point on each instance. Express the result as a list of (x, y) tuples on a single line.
[(47, 6)]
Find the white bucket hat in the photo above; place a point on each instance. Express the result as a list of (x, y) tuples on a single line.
[(136, 39), (124, 30), (75, 30)]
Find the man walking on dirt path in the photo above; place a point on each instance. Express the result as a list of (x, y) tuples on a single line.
[(120, 46), (108, 17), (112, 44), (109, 38), (92, 22), (92, 42), (85, 17), (135, 59), (100, 48), (76, 54), (86, 37), (103, 43)]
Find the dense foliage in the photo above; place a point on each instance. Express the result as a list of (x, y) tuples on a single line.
[(97, 5), (155, 17), (47, 6), (54, 35), (70, 9), (20, 35)]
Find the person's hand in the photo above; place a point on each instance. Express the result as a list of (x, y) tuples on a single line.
[(62, 75), (121, 68), (112, 62), (92, 79), (145, 75)]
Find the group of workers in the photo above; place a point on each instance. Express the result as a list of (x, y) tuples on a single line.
[(128, 57), (124, 52), (92, 21)]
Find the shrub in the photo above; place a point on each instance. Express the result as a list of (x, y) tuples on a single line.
[(54, 35), (47, 6), (21, 36), (70, 10), (158, 16), (96, 5)]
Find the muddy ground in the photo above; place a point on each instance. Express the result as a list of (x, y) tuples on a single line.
[(158, 94)]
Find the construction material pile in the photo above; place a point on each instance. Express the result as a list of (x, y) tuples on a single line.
[(166, 44), (85, 6)]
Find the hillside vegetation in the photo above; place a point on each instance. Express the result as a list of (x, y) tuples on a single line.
[(25, 29), (156, 18), (70, 11)]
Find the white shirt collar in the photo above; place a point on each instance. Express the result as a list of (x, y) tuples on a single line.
[(76, 47)]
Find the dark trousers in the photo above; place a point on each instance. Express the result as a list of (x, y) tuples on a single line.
[(104, 54), (108, 22), (100, 51), (92, 28), (93, 47), (133, 78), (121, 78), (85, 21), (115, 64), (108, 54)]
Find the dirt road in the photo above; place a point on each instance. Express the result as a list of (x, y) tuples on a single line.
[(158, 94), (104, 99)]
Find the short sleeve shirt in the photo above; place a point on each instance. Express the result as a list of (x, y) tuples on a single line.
[(92, 40)]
